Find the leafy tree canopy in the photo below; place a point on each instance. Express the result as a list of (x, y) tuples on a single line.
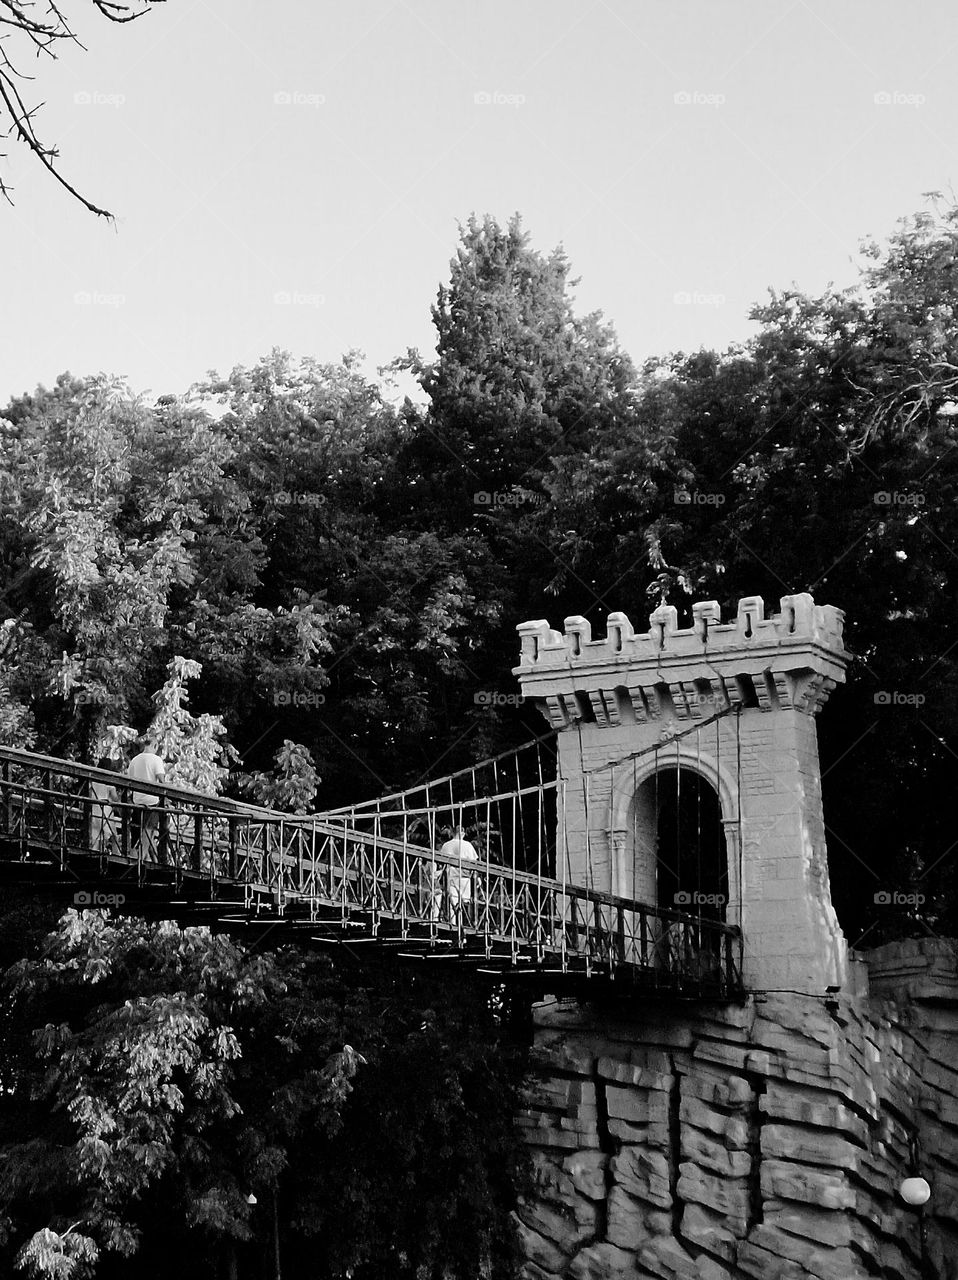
[(168, 1088)]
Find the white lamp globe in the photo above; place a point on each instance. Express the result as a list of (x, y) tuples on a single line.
[(915, 1191)]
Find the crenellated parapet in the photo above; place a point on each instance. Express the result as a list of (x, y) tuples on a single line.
[(790, 660)]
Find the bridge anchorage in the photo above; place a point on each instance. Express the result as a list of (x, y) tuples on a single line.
[(664, 837)]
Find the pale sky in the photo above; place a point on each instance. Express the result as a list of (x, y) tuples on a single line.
[(291, 173)]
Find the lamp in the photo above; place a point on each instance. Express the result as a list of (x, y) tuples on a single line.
[(915, 1191)]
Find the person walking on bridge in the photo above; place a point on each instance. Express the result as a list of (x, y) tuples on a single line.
[(103, 830), (458, 877), (146, 767)]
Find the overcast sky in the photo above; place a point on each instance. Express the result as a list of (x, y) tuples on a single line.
[(291, 174)]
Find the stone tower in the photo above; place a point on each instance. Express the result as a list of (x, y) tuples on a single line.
[(621, 706), (756, 1139)]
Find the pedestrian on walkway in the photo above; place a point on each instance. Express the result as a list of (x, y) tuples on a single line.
[(146, 767), (103, 828), (458, 877)]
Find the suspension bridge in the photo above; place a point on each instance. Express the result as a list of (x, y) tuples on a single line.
[(370, 877)]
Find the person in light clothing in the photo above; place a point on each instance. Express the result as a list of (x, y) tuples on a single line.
[(458, 876), (103, 832), (146, 767)]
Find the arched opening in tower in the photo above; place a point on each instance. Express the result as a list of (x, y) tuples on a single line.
[(676, 845)]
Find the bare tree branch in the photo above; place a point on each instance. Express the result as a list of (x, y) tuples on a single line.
[(44, 33)]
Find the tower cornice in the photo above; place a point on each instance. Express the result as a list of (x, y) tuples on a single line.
[(791, 660)]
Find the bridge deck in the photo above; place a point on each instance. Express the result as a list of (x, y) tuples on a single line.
[(322, 878)]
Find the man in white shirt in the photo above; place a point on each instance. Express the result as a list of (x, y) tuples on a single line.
[(458, 878), (146, 767)]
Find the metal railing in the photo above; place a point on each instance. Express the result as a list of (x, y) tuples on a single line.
[(365, 882)]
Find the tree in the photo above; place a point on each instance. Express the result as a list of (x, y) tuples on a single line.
[(171, 1097), (315, 448), (292, 785), (135, 1088), (94, 570), (43, 34), (126, 540), (195, 745), (518, 390), (433, 1199), (519, 380)]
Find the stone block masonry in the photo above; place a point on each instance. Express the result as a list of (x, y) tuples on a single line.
[(758, 1141)]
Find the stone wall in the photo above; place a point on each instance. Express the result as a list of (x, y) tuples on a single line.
[(762, 1140)]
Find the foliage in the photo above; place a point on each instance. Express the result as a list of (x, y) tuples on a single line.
[(200, 760), (137, 1079), (291, 787), (519, 380), (49, 1253), (425, 1201), (172, 1074), (16, 721)]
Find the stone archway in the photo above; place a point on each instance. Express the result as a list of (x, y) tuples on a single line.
[(652, 861), (675, 815)]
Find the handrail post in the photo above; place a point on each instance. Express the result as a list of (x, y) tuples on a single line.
[(377, 865), (196, 856), (300, 842), (487, 913), (276, 865), (163, 834), (6, 798), (460, 909), (124, 810), (406, 894), (232, 858), (49, 821)]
